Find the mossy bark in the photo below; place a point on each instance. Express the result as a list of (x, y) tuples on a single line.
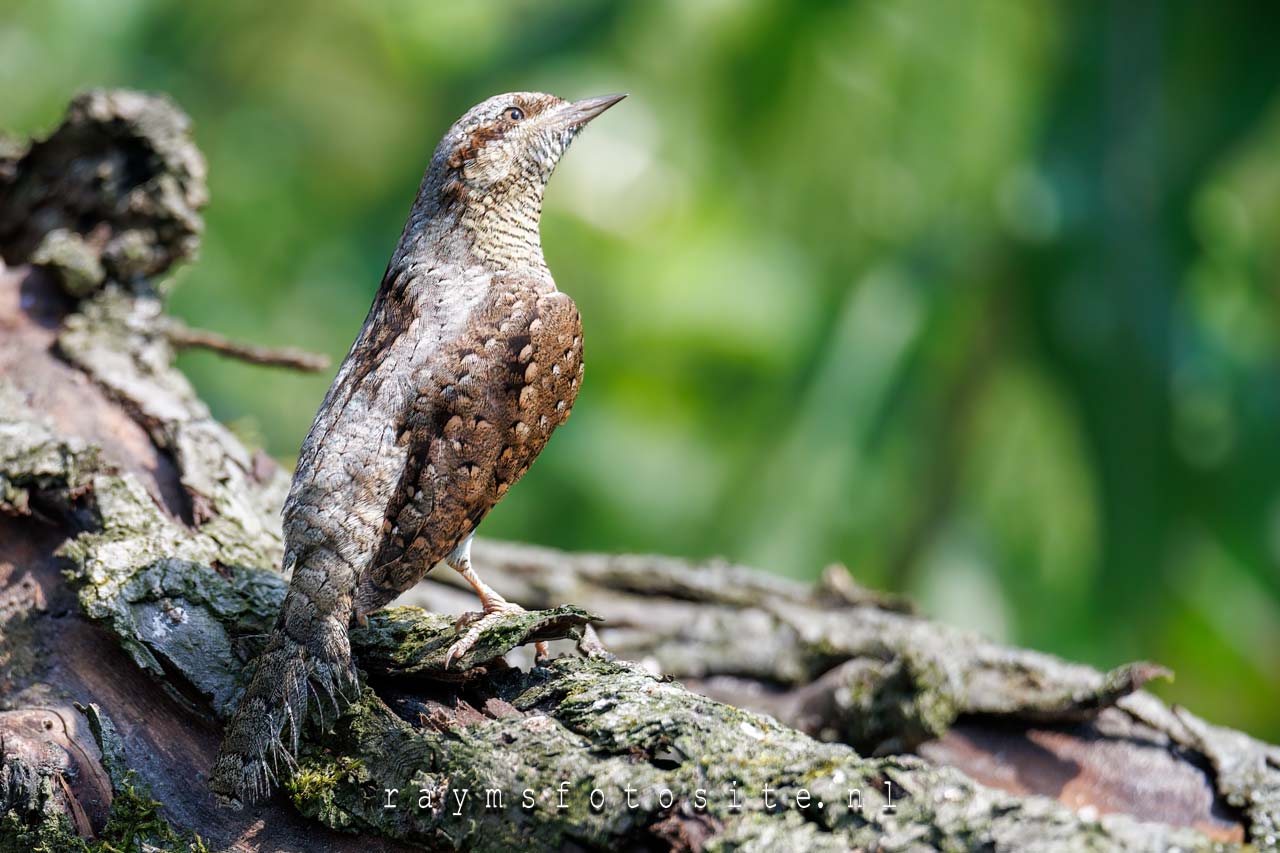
[(139, 546)]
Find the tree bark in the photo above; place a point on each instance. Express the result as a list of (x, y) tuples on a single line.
[(139, 555)]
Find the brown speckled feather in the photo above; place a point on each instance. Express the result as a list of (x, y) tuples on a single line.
[(485, 410)]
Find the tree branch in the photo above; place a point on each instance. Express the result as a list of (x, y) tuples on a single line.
[(183, 336)]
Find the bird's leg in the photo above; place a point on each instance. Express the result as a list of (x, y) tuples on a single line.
[(494, 605)]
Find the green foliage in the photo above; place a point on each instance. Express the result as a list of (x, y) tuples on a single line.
[(975, 298)]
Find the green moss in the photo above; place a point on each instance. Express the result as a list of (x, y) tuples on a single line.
[(133, 826), (412, 641), (314, 787), (53, 833)]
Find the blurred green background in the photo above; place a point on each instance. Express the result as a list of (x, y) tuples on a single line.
[(979, 299)]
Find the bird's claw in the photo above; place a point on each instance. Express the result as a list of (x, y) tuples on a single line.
[(479, 623)]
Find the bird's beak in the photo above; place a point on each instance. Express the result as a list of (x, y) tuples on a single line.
[(576, 114)]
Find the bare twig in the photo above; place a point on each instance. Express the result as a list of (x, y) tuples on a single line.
[(185, 337)]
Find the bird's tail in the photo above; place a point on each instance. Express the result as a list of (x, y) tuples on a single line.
[(306, 668)]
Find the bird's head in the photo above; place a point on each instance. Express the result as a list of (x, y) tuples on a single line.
[(503, 150)]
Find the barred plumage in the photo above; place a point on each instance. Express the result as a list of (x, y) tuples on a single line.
[(468, 360)]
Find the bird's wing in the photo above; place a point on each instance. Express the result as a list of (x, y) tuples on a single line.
[(352, 459), (485, 408)]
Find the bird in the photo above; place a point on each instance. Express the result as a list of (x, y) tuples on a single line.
[(468, 360)]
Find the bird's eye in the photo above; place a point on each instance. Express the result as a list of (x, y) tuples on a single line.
[(515, 114)]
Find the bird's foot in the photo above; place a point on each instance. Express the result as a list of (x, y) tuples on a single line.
[(495, 612)]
